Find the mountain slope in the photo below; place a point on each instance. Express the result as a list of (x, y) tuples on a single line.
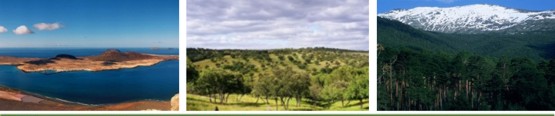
[(476, 18), (537, 45), (394, 33)]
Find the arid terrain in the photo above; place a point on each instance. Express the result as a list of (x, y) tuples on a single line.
[(11, 99), (109, 60), (8, 60)]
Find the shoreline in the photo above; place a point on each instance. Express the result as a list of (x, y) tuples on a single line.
[(22, 92), (86, 64), (88, 70), (111, 59), (9, 101)]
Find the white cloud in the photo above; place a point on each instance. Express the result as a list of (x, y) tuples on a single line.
[(22, 30), (3, 29), (256, 24), (46, 26)]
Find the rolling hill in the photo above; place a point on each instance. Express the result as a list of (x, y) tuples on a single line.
[(316, 78)]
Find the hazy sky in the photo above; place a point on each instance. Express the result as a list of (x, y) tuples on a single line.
[(267, 24), (388, 5), (89, 23)]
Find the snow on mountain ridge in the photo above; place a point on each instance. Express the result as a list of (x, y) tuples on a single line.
[(469, 18)]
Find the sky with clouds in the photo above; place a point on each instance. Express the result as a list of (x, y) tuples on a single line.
[(89, 23), (270, 24), (537, 5)]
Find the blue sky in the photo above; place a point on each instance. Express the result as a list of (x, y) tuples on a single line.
[(90, 23), (387, 5)]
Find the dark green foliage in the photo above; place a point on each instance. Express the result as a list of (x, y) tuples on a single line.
[(197, 54), (241, 67), (326, 70), (192, 73), (284, 84), (301, 65), (290, 58), (423, 80), (422, 70), (537, 45), (281, 58), (218, 83)]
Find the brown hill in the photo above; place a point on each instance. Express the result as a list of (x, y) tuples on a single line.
[(118, 56), (111, 59)]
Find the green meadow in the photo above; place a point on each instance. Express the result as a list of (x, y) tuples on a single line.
[(281, 79)]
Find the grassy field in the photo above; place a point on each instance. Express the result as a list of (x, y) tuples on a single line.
[(255, 65), (248, 103)]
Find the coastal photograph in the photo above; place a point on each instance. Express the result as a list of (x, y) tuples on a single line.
[(89, 55), (466, 55), (277, 55)]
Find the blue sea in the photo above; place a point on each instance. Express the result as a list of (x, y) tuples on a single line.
[(157, 82)]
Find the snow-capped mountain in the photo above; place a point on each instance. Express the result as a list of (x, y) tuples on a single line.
[(467, 19)]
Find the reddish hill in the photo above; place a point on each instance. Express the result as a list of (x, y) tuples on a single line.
[(118, 56)]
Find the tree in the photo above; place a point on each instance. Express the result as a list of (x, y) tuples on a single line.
[(300, 86), (283, 84), (273, 78), (358, 88), (219, 82), (291, 58), (336, 85), (261, 88), (192, 73)]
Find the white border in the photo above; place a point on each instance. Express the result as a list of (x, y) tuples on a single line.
[(182, 55), (373, 51), (182, 78)]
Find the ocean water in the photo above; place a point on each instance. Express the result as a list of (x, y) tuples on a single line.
[(157, 82)]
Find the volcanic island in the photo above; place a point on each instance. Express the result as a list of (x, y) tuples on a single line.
[(111, 59)]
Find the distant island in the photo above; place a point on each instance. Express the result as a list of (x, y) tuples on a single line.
[(111, 59)]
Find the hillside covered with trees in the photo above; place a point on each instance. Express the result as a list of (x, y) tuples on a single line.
[(278, 79), (536, 45), (423, 70)]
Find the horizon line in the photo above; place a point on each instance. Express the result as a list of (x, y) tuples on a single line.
[(272, 48), (92, 47), (526, 10)]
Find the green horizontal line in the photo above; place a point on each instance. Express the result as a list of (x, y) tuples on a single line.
[(277, 114)]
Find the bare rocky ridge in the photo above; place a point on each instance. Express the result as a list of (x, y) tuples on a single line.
[(118, 56)]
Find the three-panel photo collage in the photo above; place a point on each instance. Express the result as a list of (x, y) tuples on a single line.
[(277, 55)]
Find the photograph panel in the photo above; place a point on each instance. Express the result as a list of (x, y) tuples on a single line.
[(89, 55), (466, 55), (279, 55)]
